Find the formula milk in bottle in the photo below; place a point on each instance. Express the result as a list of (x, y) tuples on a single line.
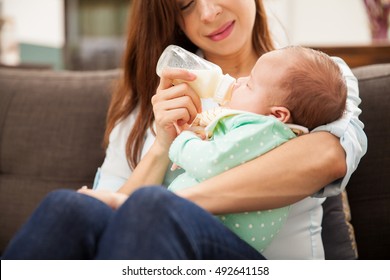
[(210, 81)]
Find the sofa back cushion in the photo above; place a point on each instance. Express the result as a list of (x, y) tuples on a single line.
[(51, 129), (369, 187)]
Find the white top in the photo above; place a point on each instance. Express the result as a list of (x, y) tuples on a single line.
[(300, 238)]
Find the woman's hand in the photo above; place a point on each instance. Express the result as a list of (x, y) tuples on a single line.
[(174, 107), (112, 199)]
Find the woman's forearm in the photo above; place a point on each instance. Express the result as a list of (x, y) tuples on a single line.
[(285, 175), (150, 170)]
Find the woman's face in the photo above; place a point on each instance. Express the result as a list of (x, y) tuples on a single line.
[(220, 27)]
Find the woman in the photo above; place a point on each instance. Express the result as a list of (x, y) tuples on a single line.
[(153, 223)]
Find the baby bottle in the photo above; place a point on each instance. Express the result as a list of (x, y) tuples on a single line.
[(210, 81)]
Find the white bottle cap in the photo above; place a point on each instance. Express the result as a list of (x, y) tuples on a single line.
[(224, 88)]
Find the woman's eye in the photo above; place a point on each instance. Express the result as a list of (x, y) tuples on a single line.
[(186, 6)]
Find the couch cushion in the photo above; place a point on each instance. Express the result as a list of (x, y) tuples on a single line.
[(337, 231), (51, 129), (369, 187)]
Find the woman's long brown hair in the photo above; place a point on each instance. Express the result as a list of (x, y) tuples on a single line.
[(152, 26)]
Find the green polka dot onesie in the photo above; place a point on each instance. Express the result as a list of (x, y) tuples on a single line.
[(237, 137)]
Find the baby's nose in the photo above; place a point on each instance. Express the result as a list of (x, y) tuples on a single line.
[(240, 80), (238, 83)]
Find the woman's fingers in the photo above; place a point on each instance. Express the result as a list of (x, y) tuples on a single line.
[(174, 105), (169, 119), (170, 75), (167, 125), (183, 107), (166, 90), (178, 91)]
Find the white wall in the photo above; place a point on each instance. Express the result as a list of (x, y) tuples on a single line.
[(38, 22), (319, 22), (310, 22)]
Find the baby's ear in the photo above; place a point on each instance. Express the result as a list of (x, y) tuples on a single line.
[(281, 113)]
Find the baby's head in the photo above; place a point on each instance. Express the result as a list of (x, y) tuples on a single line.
[(295, 84)]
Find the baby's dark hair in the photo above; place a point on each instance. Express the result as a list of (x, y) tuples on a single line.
[(316, 88)]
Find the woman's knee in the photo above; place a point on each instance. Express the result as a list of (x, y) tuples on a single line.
[(155, 199), (58, 199), (68, 203), (155, 202)]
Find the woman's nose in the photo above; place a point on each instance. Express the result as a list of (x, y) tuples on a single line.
[(208, 10)]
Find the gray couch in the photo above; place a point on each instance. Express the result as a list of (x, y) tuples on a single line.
[(51, 128)]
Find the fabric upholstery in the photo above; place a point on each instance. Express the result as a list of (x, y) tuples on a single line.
[(369, 187), (339, 244), (51, 129), (367, 208)]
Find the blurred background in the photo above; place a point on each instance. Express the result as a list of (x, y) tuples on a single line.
[(89, 34)]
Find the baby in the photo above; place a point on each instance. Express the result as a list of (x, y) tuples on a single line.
[(289, 92)]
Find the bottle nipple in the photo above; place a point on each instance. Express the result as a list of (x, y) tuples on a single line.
[(224, 89)]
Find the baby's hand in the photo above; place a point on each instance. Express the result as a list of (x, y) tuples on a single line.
[(174, 167), (112, 199), (199, 131)]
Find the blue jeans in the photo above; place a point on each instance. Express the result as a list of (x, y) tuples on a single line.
[(152, 224)]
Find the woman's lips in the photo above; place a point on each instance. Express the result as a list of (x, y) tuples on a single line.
[(223, 32)]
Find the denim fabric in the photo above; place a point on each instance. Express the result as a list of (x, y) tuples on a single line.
[(66, 225), (152, 224)]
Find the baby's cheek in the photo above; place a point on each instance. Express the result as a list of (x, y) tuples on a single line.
[(234, 103)]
